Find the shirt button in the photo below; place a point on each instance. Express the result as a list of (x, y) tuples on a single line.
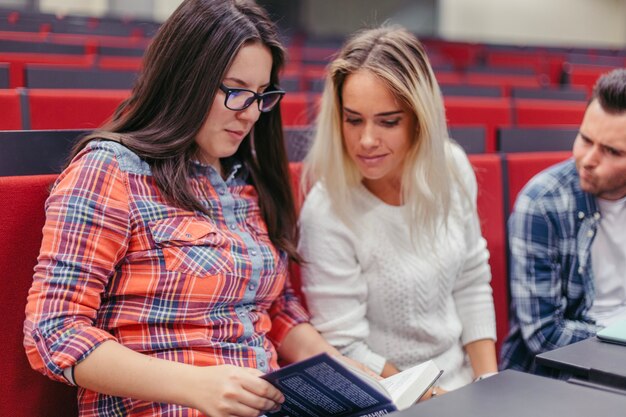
[(596, 215), (222, 191), (253, 252), (581, 214), (262, 363), (252, 286), (580, 269), (233, 226), (590, 233)]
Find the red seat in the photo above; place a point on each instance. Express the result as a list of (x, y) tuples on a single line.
[(490, 204), (128, 63), (24, 392), (297, 108), (18, 60), (586, 75), (550, 64), (521, 167), (489, 112), (11, 111), (506, 81), (72, 109), (539, 112)]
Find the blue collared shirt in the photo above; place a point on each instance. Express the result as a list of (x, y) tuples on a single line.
[(551, 230)]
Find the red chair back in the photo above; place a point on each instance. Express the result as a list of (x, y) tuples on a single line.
[(24, 392)]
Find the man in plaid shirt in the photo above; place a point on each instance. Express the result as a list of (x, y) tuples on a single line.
[(567, 238)]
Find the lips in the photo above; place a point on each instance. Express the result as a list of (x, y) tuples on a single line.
[(586, 176), (238, 134), (372, 160)]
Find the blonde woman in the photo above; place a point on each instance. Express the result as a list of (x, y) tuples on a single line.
[(396, 267)]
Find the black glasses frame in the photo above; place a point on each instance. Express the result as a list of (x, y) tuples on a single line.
[(228, 91)]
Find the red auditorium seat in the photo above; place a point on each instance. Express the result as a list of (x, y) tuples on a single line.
[(449, 77), (295, 169), (25, 392), (488, 169), (540, 112), (586, 75), (550, 64), (11, 118), (506, 81), (297, 108), (489, 112), (461, 54), (72, 109), (17, 61), (128, 63), (521, 167)]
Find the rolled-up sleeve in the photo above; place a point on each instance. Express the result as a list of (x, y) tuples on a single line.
[(85, 235), (286, 312)]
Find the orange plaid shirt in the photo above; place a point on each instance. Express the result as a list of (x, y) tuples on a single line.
[(118, 262)]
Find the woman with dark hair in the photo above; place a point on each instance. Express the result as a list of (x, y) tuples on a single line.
[(162, 284)]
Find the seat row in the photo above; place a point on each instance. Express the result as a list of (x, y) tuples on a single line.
[(38, 22), (26, 109)]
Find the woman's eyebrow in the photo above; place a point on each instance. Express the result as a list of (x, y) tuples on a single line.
[(242, 83), (383, 114)]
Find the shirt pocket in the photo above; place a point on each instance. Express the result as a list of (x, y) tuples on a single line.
[(193, 246)]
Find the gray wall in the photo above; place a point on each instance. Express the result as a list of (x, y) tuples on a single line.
[(339, 17), (547, 22)]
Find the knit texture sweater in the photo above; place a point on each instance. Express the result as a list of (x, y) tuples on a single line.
[(377, 299)]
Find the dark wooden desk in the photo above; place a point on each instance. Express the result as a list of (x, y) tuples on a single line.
[(592, 360), (516, 394)]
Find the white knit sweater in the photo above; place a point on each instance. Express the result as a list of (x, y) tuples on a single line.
[(375, 299)]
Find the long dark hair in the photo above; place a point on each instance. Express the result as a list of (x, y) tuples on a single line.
[(182, 70)]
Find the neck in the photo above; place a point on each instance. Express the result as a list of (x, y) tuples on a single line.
[(214, 162), (390, 192)]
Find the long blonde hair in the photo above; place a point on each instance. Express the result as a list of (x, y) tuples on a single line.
[(429, 174)]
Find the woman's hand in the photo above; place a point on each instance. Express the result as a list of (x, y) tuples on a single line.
[(359, 366), (227, 390)]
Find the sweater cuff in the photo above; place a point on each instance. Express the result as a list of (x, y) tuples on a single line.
[(361, 353), (478, 332)]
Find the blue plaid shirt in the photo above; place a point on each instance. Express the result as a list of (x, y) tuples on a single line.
[(551, 280)]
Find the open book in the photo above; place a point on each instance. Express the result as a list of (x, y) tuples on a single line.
[(327, 386)]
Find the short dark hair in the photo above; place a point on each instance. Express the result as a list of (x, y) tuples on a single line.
[(610, 91), (182, 71)]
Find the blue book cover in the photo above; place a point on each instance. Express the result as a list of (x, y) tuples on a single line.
[(325, 386)]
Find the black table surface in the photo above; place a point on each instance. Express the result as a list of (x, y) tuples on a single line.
[(590, 359), (516, 394)]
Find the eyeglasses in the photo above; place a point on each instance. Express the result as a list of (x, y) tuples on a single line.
[(238, 99)]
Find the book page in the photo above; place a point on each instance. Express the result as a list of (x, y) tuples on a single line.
[(408, 386)]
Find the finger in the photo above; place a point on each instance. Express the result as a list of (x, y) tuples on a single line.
[(261, 388), (253, 371), (243, 410), (257, 402)]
